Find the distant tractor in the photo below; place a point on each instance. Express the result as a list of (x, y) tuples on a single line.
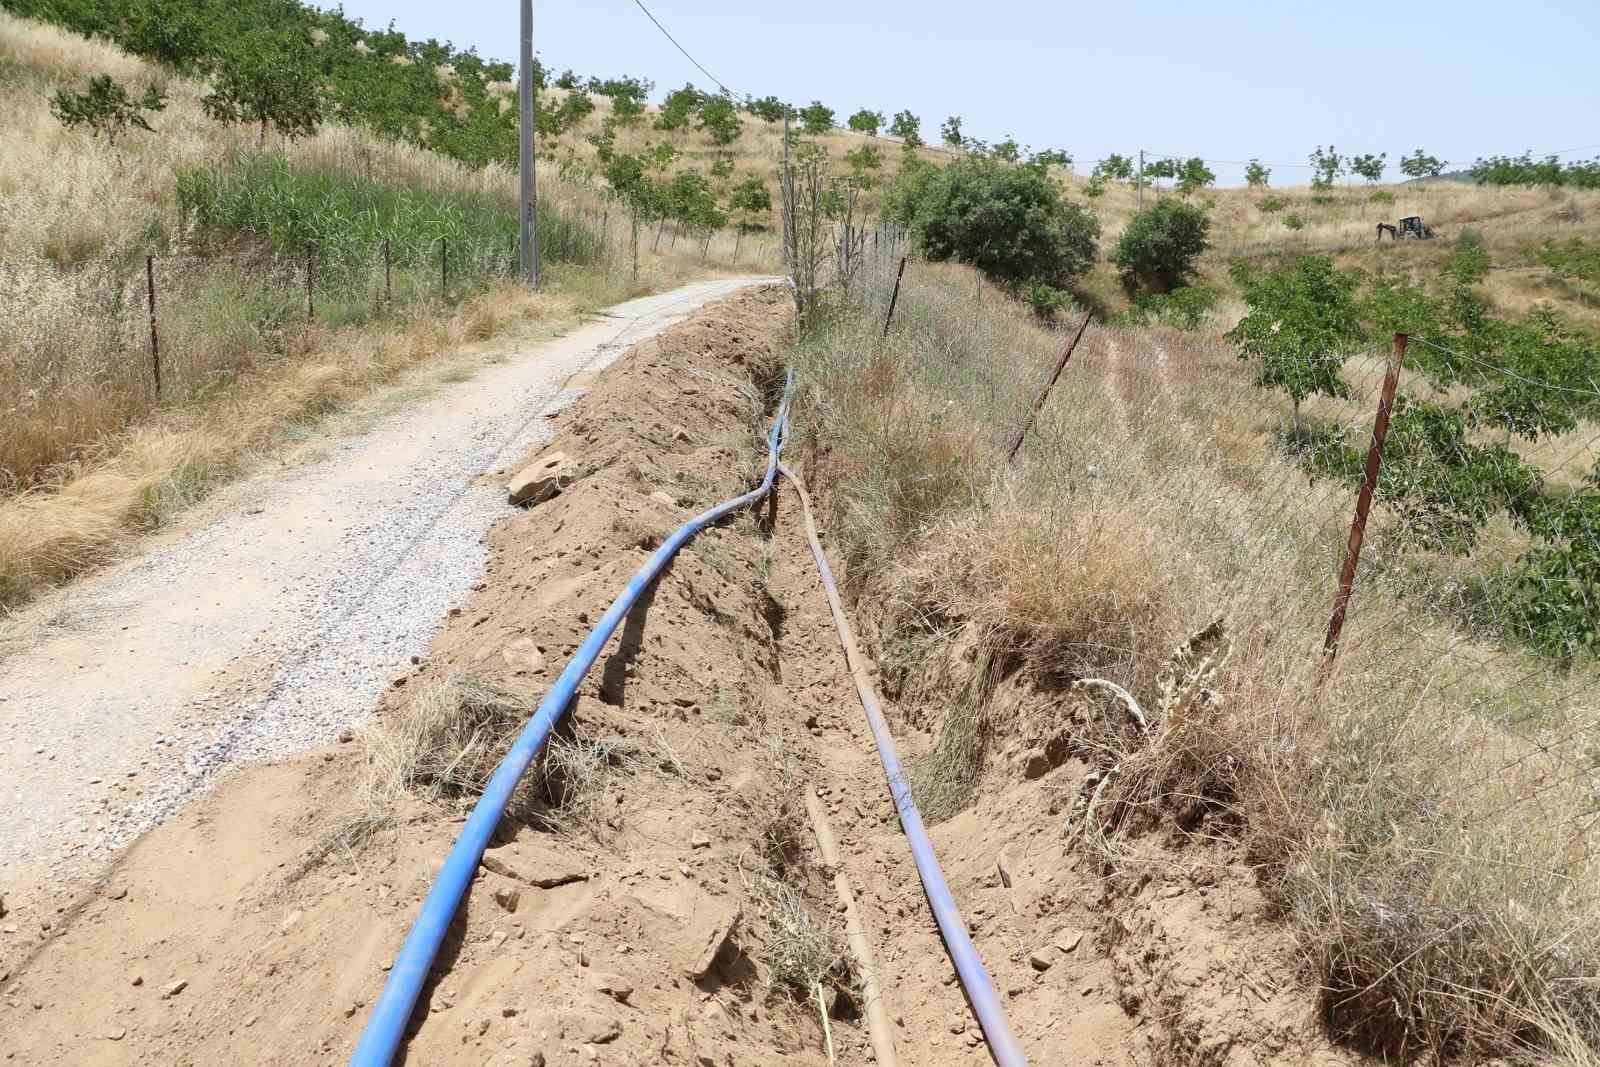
[(1410, 226)]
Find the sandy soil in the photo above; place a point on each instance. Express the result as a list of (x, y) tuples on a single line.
[(236, 934)]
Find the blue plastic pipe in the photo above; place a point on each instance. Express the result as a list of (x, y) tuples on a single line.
[(975, 980), (386, 1026)]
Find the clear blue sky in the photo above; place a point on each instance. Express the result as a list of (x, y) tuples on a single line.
[(1230, 79)]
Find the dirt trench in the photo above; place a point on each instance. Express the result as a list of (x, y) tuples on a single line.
[(631, 922)]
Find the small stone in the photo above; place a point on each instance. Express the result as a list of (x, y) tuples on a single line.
[(699, 840), (138, 979), (1068, 940), (483, 1026), (680, 434), (175, 988), (614, 986), (661, 497), (1168, 892), (346, 735), (289, 920), (523, 655), (508, 1012), (1086, 990), (538, 483), (116, 1034), (1036, 764), (399, 680), (1039, 961), (507, 898), (116, 892)]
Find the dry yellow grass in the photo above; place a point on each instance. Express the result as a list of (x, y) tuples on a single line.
[(1421, 816), (88, 458)]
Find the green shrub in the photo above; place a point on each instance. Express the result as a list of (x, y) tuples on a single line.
[(1010, 222), (105, 107), (1045, 300), (1302, 325), (1294, 222), (1271, 205), (1159, 248), (1185, 308)]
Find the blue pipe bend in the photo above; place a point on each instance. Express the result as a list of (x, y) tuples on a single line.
[(386, 1026)]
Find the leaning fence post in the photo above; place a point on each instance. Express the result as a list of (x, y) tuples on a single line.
[(155, 341), (894, 297), (388, 289), (1369, 484), (1044, 394), (310, 307), (444, 267)]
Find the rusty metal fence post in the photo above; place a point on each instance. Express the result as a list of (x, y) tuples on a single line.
[(444, 267), (1369, 484), (311, 309), (388, 287), (894, 297), (155, 341), (1044, 394)]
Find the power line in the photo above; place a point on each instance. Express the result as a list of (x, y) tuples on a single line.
[(682, 49)]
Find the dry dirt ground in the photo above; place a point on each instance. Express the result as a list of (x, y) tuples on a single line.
[(242, 932)]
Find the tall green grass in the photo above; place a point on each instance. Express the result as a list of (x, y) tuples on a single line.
[(346, 219)]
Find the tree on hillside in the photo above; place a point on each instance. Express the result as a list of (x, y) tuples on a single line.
[(105, 107), (1161, 168), (1302, 324), (268, 80), (1421, 165), (817, 118), (166, 31), (569, 80), (1115, 168), (1370, 166), (1008, 150), (1012, 223), (1193, 175), (864, 163), (867, 122), (720, 120), (678, 107), (907, 127), (750, 201), (1256, 176), (1158, 249), (768, 109), (1051, 157), (950, 130), (1326, 166)]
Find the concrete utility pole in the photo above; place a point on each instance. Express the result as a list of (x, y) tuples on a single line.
[(529, 231), (1139, 196)]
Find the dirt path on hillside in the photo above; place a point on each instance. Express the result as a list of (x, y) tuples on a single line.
[(278, 621)]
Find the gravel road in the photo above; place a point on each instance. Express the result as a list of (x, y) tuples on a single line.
[(264, 630)]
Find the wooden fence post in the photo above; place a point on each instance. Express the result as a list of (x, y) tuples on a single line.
[(1369, 484), (1044, 394), (155, 341)]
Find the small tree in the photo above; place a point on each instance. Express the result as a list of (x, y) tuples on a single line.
[(105, 107), (1158, 250), (1421, 165), (167, 31), (1193, 175), (268, 81), (720, 119), (864, 163), (1302, 324), (907, 127), (1161, 168), (867, 122), (1010, 222), (750, 200), (678, 107), (1256, 176), (1326, 166), (1370, 166), (1051, 157), (950, 130), (1115, 167), (1008, 150), (768, 109), (816, 119)]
